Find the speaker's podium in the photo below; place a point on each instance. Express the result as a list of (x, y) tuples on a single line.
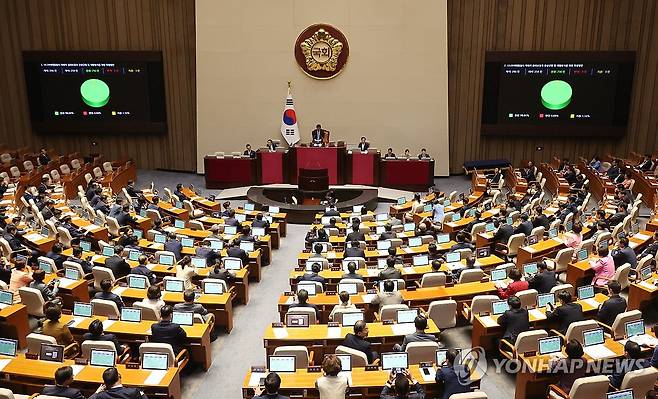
[(331, 158), (273, 166), (313, 185)]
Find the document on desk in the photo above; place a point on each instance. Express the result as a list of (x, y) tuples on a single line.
[(592, 302), (280, 332), (537, 314), (255, 379), (382, 252), (644, 339), (76, 321), (108, 323), (430, 376), (488, 321), (119, 290), (408, 250), (403, 328), (599, 352), (4, 363), (367, 298), (33, 236), (641, 236), (77, 368), (646, 285), (155, 377), (373, 272), (334, 332), (408, 270), (66, 282), (90, 227)]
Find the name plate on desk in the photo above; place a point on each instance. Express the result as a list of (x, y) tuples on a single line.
[(81, 360), (372, 368), (299, 269), (289, 293), (335, 268), (330, 293), (388, 322), (333, 324), (411, 288), (32, 356), (314, 369), (277, 325), (258, 369), (132, 366)]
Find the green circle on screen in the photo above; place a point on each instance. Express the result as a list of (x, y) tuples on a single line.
[(95, 93), (556, 94)]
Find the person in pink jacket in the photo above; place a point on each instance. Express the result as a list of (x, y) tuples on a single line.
[(604, 268)]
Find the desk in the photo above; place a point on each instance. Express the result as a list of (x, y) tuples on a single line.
[(646, 185), (14, 324), (317, 337), (362, 167), (229, 172), (201, 202), (220, 305), (555, 183), (198, 335), (331, 158), (536, 251), (641, 294), (412, 174), (515, 182), (29, 376), (273, 166), (599, 184)]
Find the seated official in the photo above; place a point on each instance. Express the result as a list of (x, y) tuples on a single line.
[(363, 144), (219, 272), (318, 136), (390, 272), (604, 268), (259, 222), (21, 276), (455, 377), (56, 255), (316, 235), (234, 251), (113, 389), (351, 271), (357, 341), (190, 306), (186, 271), (514, 321), (116, 263), (272, 385), (572, 367), (389, 154), (230, 219), (128, 239), (332, 211), (388, 233), (173, 245), (271, 145), (313, 275), (525, 227), (107, 294), (506, 291), (95, 333), (388, 297), (612, 306), (503, 231), (574, 238), (619, 216), (48, 291), (123, 217), (354, 251), (632, 361), (407, 154), (142, 270), (652, 248), (55, 328), (179, 193), (462, 242), (420, 322), (331, 385), (544, 280), (245, 235), (302, 302), (154, 299), (76, 233), (249, 152), (166, 332), (355, 234), (569, 311), (423, 154), (343, 305), (470, 265), (62, 387), (541, 220), (624, 254), (402, 386)]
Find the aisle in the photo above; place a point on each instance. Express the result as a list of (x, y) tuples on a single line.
[(234, 353)]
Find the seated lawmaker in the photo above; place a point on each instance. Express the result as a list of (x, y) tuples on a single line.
[(351, 272), (313, 275), (271, 146), (509, 290), (167, 332), (95, 333), (302, 302), (387, 297), (107, 294), (420, 322), (544, 280), (514, 321), (113, 389), (569, 311), (423, 154), (612, 306), (454, 375), (55, 328), (344, 304), (389, 154), (632, 361), (363, 144), (272, 385), (318, 136), (402, 386), (354, 250), (62, 387), (249, 152), (189, 305), (624, 254), (357, 341)]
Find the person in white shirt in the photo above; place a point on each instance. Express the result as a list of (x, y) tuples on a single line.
[(186, 271), (343, 305), (438, 212)]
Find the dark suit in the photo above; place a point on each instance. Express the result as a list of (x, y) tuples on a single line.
[(119, 393), (617, 218), (118, 265), (503, 234), (364, 146), (610, 309), (353, 275), (166, 332), (525, 228), (317, 135), (354, 252), (416, 392), (625, 255), (390, 273), (221, 274), (455, 380), (566, 314), (361, 345), (312, 277), (110, 296), (144, 271), (626, 366), (542, 220), (124, 218), (103, 337), (387, 235), (44, 159), (332, 212), (101, 206), (62, 391), (514, 322), (543, 282), (231, 222), (86, 266), (174, 246), (260, 223), (356, 236), (57, 258), (191, 307), (237, 252)]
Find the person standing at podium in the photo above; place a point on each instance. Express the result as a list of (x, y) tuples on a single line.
[(317, 136), (364, 145)]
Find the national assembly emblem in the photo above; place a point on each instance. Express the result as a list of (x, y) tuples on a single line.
[(321, 51)]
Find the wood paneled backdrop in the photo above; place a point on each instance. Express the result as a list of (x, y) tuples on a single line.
[(473, 27), (166, 25), (478, 25)]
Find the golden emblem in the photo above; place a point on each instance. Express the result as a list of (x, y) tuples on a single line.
[(321, 51)]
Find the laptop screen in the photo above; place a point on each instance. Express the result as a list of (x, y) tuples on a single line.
[(545, 299), (420, 260), (415, 242), (45, 266), (240, 217), (51, 353), (383, 245), (131, 314), (72, 273), (441, 355), (7, 297), (155, 361), (268, 219), (586, 292), (297, 320), (381, 217), (85, 246), (179, 224), (552, 233), (134, 255), (456, 217), (489, 227), (247, 246), (187, 242), (401, 200), (211, 287), (625, 394), (582, 254), (249, 206), (258, 231), (108, 251), (409, 226), (82, 309), (499, 307), (530, 268), (179, 204), (273, 209), (483, 252), (138, 233), (407, 315), (138, 282), (345, 362), (232, 264), (281, 364), (350, 288), (452, 257), (532, 240), (427, 208), (198, 262), (183, 318), (593, 337), (310, 288), (645, 273), (395, 360), (549, 345), (173, 285), (498, 274), (381, 263), (216, 244), (102, 358), (8, 347), (442, 238), (634, 328), (349, 319), (159, 238), (45, 231), (167, 260), (231, 230)]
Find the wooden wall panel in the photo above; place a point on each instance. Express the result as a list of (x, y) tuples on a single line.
[(475, 26), (164, 25)]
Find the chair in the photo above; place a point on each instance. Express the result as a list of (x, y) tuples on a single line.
[(390, 312), (435, 279), (319, 288), (195, 225), (107, 167), (471, 276), (453, 196), (640, 381), (49, 261), (76, 266), (586, 244), (312, 316), (113, 226), (418, 352), (359, 359), (153, 214), (194, 213), (513, 244), (395, 242), (88, 345), (538, 232), (575, 330), (148, 311), (98, 173), (528, 298), (563, 287), (360, 285), (527, 341), (470, 395), (302, 357), (65, 237), (158, 254), (8, 394), (560, 262), (101, 273), (28, 166), (75, 164), (360, 262), (35, 340), (479, 304), (103, 307), (582, 388), (464, 253), (33, 300), (54, 174), (64, 168), (323, 261), (173, 360), (618, 328), (605, 236), (443, 313), (477, 229)]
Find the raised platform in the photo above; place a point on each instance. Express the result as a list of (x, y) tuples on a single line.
[(285, 198)]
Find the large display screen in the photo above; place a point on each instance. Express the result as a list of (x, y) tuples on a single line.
[(557, 93), (109, 91)]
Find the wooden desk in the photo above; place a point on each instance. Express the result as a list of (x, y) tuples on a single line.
[(318, 339), (220, 305), (645, 184), (14, 324), (641, 294), (198, 335), (536, 251), (201, 202), (29, 376)]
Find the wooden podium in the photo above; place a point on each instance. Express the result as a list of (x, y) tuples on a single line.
[(313, 184)]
